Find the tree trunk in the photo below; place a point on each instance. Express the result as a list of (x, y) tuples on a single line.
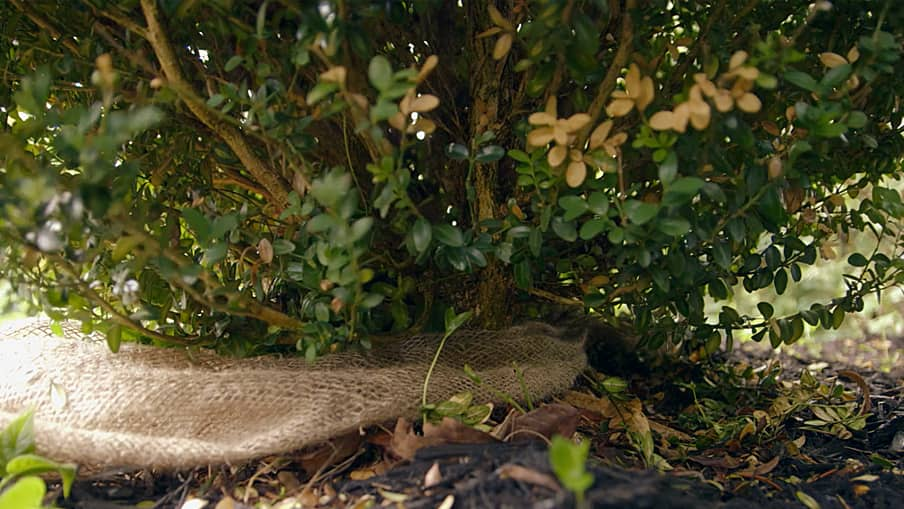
[(489, 97)]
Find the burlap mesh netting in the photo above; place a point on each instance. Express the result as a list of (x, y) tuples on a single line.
[(169, 408)]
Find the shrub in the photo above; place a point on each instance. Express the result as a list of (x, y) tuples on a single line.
[(250, 175)]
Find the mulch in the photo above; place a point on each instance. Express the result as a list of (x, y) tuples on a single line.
[(863, 471)]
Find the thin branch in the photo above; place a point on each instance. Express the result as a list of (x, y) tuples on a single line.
[(622, 54), (275, 185), (45, 25), (558, 299)]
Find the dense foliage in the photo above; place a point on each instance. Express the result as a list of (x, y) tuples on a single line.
[(249, 174)]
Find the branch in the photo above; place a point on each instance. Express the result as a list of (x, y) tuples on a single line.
[(45, 25), (622, 54), (275, 185)]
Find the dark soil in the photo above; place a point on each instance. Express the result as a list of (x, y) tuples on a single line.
[(863, 471)]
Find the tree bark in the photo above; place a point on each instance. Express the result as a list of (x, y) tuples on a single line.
[(489, 96)]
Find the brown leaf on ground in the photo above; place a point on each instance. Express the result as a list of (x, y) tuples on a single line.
[(855, 377), (529, 476), (726, 462), (669, 433), (405, 443), (600, 406), (330, 453), (546, 421)]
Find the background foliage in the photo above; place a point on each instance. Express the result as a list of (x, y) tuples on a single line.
[(245, 174)]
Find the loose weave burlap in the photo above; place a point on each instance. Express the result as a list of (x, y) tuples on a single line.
[(171, 408)]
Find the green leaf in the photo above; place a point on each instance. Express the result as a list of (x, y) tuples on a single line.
[(382, 110), (25, 493), (421, 234), (197, 223), (17, 438), (598, 203), (448, 235), (114, 337), (379, 72), (668, 170), (675, 227), (489, 154), (32, 464), (216, 100), (565, 229), (766, 309), (682, 190), (457, 151), (523, 277), (215, 253), (856, 120), (233, 62), (360, 228), (802, 80), (283, 246), (574, 207), (454, 321), (780, 281), (535, 242), (372, 300), (857, 260), (639, 212), (519, 155), (320, 92), (568, 461), (592, 228)]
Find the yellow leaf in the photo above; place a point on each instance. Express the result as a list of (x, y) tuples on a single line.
[(706, 86), (405, 103), (541, 118), (427, 68), (749, 103), (576, 173), (632, 80), (551, 107), (559, 133), (359, 100), (747, 72), (576, 122), (775, 167), (616, 140), (682, 114), (424, 103), (662, 120), (557, 155), (488, 32), (497, 18), (645, 94), (502, 47), (619, 107), (540, 137), (599, 135), (853, 54), (335, 74), (737, 59), (832, 60), (699, 115), (398, 121), (422, 124), (723, 101)]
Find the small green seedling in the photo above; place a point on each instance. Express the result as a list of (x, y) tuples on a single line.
[(20, 488), (569, 462)]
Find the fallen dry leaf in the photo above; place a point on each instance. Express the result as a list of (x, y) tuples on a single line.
[(529, 476), (433, 476), (546, 421), (405, 443)]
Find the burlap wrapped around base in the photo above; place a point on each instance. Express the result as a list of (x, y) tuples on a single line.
[(171, 408)]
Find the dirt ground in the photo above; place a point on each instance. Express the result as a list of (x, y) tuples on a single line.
[(777, 464)]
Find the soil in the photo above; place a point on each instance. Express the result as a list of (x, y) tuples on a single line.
[(865, 470)]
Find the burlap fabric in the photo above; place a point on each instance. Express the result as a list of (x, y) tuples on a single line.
[(170, 408)]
